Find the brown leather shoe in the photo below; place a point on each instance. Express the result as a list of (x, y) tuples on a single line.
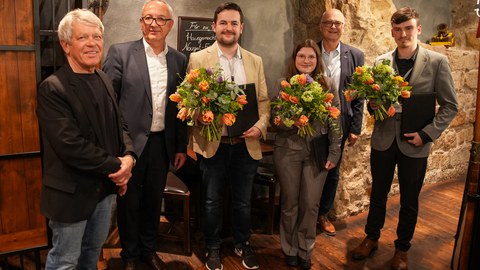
[(129, 265), (400, 260), (326, 225), (155, 262), (365, 249)]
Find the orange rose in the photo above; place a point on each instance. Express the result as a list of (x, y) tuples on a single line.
[(205, 100), (193, 75), (375, 87), (302, 79), (175, 97), (203, 85), (349, 95), (405, 94), (182, 114), (370, 80), (359, 70), (284, 96), (277, 120), (303, 120), (391, 111), (242, 99), (404, 83), (334, 112), (207, 117), (293, 99), (228, 119), (285, 84), (328, 98)]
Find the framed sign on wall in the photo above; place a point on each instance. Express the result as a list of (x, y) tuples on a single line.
[(194, 34)]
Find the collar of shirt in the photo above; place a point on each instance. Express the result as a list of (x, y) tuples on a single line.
[(149, 50), (233, 69), (332, 65)]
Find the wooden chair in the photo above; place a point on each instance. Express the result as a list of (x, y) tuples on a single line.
[(266, 177), (175, 189)]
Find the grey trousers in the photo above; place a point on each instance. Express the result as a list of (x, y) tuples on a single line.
[(301, 185)]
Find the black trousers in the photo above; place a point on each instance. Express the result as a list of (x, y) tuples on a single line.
[(138, 211), (411, 173)]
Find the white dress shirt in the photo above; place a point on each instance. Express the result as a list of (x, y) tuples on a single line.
[(158, 72)]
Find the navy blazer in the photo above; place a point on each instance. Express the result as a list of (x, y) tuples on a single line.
[(126, 65), (75, 164), (352, 112)]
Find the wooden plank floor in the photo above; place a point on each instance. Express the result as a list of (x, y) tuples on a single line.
[(432, 246)]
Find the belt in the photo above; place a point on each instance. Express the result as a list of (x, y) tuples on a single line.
[(231, 140)]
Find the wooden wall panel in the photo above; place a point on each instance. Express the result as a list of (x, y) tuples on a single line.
[(24, 22), (22, 227), (11, 140), (7, 23), (28, 101), (13, 196)]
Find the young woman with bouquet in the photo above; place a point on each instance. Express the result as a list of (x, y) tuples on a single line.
[(304, 114)]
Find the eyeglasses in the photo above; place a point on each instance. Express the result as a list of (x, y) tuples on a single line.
[(160, 21), (309, 57), (332, 23)]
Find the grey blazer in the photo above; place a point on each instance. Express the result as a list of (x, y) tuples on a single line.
[(431, 73)]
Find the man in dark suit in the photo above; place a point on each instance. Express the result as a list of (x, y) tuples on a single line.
[(340, 62), (427, 72), (86, 148), (144, 73)]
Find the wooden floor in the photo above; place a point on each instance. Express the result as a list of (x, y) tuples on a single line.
[(432, 246)]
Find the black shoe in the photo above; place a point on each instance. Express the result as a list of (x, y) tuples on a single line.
[(213, 260), (304, 264), (249, 258), (291, 260), (155, 262)]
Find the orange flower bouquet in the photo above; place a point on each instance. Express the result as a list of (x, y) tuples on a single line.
[(205, 96), (381, 86), (302, 101)]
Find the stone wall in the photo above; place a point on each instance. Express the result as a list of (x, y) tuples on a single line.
[(368, 28)]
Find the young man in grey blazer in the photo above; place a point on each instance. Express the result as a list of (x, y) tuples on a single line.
[(427, 72)]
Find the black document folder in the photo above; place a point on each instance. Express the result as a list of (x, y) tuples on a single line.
[(417, 112), (320, 149), (247, 117)]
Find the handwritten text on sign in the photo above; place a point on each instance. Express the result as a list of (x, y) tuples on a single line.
[(194, 34)]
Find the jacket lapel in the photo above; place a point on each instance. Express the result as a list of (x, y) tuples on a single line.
[(142, 65), (419, 66)]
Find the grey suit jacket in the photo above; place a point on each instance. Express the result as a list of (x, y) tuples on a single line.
[(431, 73), (126, 65)]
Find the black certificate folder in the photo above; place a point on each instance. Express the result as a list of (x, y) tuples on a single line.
[(417, 112), (247, 117)]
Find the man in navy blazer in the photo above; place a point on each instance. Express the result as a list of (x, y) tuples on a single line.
[(144, 73), (87, 152), (427, 72), (340, 62)]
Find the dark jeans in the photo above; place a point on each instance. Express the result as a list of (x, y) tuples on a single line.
[(231, 167), (411, 173), (330, 187), (138, 211)]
